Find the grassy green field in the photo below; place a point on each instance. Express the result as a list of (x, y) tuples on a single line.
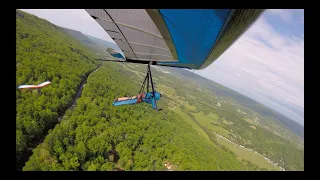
[(171, 93), (167, 90), (190, 121), (207, 120), (249, 120), (242, 153), (191, 96), (226, 122), (186, 105)]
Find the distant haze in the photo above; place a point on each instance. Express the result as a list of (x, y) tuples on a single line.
[(266, 63)]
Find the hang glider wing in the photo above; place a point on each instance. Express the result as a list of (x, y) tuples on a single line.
[(183, 38), (35, 86)]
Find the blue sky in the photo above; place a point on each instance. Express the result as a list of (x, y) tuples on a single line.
[(266, 63)]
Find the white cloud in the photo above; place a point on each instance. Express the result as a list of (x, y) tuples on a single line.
[(282, 13), (266, 66)]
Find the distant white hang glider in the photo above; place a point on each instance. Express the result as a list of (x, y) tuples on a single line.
[(35, 86)]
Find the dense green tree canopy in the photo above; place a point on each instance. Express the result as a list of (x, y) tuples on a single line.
[(98, 136), (44, 52)]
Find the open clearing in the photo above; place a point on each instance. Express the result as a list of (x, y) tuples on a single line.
[(243, 153)]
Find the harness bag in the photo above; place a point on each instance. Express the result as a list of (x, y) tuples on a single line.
[(139, 99)]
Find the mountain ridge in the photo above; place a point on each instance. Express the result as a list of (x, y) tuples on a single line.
[(242, 99)]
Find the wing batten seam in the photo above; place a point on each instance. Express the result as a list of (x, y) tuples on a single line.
[(120, 32)]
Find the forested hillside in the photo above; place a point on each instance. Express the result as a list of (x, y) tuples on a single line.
[(92, 43), (104, 43), (45, 53), (98, 136)]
